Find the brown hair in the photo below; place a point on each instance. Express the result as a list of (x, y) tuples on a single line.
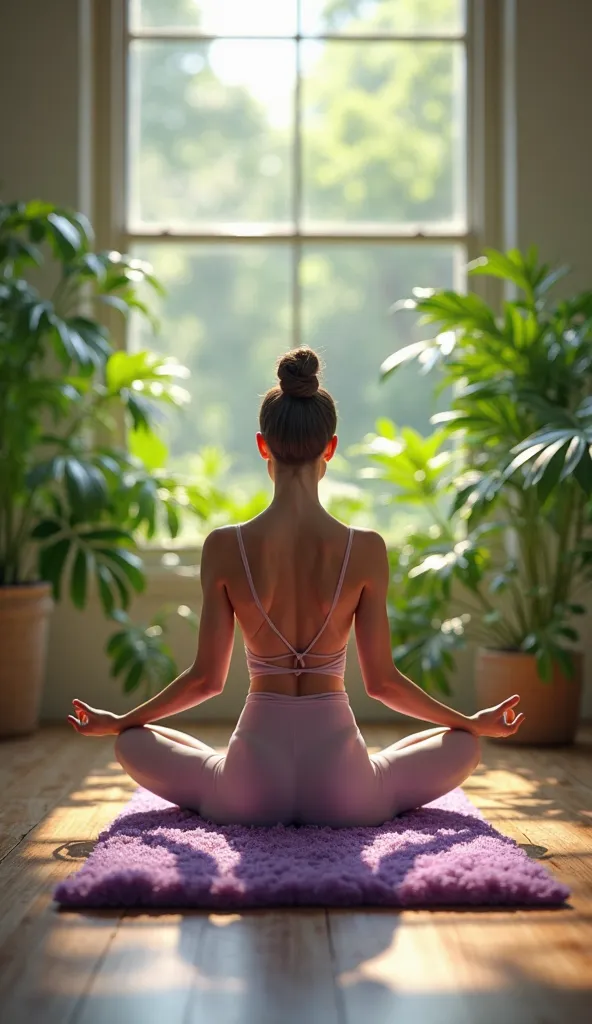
[(297, 418)]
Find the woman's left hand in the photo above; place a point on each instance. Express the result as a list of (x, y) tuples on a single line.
[(93, 722)]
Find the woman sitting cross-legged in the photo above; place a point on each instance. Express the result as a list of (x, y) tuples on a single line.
[(297, 580)]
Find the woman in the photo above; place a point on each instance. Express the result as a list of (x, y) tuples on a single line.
[(296, 579)]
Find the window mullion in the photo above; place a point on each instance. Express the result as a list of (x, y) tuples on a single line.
[(297, 193), (291, 238)]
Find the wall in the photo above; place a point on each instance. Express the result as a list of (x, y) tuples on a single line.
[(43, 84), (553, 75), (545, 82)]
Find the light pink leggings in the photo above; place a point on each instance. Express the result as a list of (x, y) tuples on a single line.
[(297, 760)]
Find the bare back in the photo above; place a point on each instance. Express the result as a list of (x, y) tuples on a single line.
[(295, 556), (295, 567)]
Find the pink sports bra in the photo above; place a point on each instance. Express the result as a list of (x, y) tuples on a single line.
[(260, 666)]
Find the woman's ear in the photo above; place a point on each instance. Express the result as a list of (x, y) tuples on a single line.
[(262, 446), (330, 449)]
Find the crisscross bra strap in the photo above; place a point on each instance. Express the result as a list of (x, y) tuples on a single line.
[(258, 665)]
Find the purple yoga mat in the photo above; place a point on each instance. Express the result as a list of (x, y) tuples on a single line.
[(442, 854)]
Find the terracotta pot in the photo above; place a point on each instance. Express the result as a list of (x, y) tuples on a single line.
[(552, 710), (24, 617)]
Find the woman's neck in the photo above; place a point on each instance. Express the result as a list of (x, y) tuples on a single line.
[(296, 489)]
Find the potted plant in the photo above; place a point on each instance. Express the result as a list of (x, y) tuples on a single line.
[(76, 496), (502, 555)]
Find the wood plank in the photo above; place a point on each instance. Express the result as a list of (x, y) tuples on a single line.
[(147, 972), (265, 966), (33, 777)]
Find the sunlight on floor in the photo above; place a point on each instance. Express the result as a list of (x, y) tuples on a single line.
[(444, 945), (151, 955)]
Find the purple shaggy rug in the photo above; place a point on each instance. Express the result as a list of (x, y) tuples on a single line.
[(443, 854)]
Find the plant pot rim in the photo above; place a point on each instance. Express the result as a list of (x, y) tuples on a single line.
[(26, 585), (16, 593)]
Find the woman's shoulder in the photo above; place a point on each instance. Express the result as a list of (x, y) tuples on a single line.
[(370, 541), (218, 542), (370, 553)]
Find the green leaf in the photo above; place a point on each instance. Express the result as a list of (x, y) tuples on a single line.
[(141, 410), (508, 266), (575, 451), (129, 564), (51, 564), (78, 580), (565, 661), (544, 665), (66, 236), (94, 337), (402, 356), (105, 583), (148, 447), (543, 461), (386, 428), (85, 485), (569, 632), (132, 680), (108, 533), (117, 642), (521, 459), (45, 528), (173, 521), (583, 473), (39, 310), (93, 266), (498, 583), (69, 343), (122, 617), (548, 279), (549, 476), (544, 437), (122, 586), (124, 655), (117, 303)]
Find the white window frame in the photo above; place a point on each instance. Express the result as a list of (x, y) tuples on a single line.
[(482, 165), (483, 171)]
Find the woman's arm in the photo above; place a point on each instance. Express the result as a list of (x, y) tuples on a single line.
[(382, 679), (207, 676)]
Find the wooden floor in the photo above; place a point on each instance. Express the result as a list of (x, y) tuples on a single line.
[(277, 967)]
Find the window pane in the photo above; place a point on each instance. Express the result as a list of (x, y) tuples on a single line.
[(396, 17), (210, 132), (347, 292), (217, 17), (226, 316), (383, 133)]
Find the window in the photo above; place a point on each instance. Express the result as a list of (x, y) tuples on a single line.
[(292, 169)]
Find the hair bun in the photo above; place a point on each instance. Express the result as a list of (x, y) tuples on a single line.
[(297, 372)]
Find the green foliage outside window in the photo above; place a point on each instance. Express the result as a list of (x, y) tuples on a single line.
[(211, 146)]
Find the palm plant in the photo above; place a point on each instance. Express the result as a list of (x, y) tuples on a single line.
[(505, 480)]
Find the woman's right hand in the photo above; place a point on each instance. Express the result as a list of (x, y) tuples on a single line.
[(490, 721)]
